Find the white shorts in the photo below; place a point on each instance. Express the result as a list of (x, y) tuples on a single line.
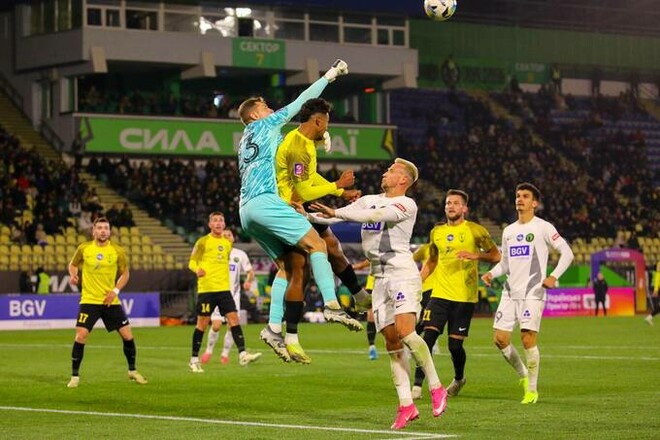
[(527, 312), (393, 297), (216, 316)]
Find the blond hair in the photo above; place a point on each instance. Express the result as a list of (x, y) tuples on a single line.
[(246, 108)]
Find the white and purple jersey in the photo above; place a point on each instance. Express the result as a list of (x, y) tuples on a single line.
[(239, 264), (525, 258)]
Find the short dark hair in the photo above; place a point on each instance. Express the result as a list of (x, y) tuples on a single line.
[(246, 107), (216, 213), (536, 194), (314, 106), (101, 220), (458, 192)]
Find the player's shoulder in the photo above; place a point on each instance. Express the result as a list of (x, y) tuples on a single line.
[(240, 253), (117, 247), (475, 227), (404, 203)]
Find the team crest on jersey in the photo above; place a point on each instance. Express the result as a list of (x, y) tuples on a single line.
[(461, 237), (450, 237), (529, 237), (298, 169), (221, 248), (236, 259), (519, 237), (99, 256)]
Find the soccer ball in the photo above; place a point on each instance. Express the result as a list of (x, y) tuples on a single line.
[(439, 10)]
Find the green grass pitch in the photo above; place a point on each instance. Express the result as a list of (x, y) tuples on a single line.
[(600, 379)]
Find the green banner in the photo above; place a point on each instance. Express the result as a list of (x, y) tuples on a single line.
[(531, 73), (202, 137), (250, 52)]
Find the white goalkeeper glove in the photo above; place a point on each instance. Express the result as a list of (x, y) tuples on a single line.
[(338, 68), (325, 143)]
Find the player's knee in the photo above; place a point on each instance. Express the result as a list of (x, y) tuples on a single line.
[(500, 341), (430, 336)]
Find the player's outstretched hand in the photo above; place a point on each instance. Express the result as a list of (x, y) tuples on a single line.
[(298, 207), (324, 211), (338, 68), (346, 180)]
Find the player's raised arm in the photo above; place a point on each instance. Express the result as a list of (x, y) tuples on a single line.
[(285, 114)]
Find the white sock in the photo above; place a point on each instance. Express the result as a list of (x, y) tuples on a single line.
[(513, 358), (212, 340), (275, 328), (420, 352), (291, 338), (400, 377), (194, 359), (228, 343), (533, 358)]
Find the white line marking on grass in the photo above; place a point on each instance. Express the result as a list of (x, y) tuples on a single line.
[(345, 352), (408, 435)]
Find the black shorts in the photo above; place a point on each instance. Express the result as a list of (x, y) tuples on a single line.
[(319, 228), (113, 316), (208, 301), (457, 315)]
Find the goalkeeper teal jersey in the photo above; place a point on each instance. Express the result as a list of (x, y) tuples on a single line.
[(258, 146)]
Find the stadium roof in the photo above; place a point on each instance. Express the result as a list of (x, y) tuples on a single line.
[(638, 17)]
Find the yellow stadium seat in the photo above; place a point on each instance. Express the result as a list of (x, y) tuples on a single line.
[(59, 239), (4, 239), (135, 230), (4, 230), (158, 249), (82, 238), (72, 239), (147, 249), (15, 249), (50, 239), (4, 249), (70, 230), (124, 231), (146, 239), (37, 249), (114, 231)]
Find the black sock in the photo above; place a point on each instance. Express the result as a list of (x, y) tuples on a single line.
[(292, 315), (349, 279), (371, 332), (239, 339), (458, 357), (198, 335), (430, 336), (76, 357), (130, 352)]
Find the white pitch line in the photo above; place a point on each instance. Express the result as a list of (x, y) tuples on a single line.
[(409, 435), (344, 352)]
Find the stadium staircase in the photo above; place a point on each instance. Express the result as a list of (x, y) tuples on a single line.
[(175, 250), (160, 235)]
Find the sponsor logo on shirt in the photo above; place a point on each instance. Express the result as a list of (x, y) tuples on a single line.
[(461, 237), (519, 251), (400, 207), (556, 236), (298, 169), (232, 267), (372, 226), (519, 237), (450, 237), (529, 237)]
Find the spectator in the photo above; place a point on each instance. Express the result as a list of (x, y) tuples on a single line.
[(43, 282), (25, 282)]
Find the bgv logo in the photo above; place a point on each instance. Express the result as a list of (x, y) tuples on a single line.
[(519, 251)]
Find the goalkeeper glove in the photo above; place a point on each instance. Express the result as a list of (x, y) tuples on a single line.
[(338, 68), (325, 143)]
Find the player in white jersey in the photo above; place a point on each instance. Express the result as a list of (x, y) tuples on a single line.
[(239, 265), (387, 225), (524, 261)]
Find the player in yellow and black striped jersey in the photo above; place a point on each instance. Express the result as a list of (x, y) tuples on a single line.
[(209, 261), (455, 250), (101, 262)]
